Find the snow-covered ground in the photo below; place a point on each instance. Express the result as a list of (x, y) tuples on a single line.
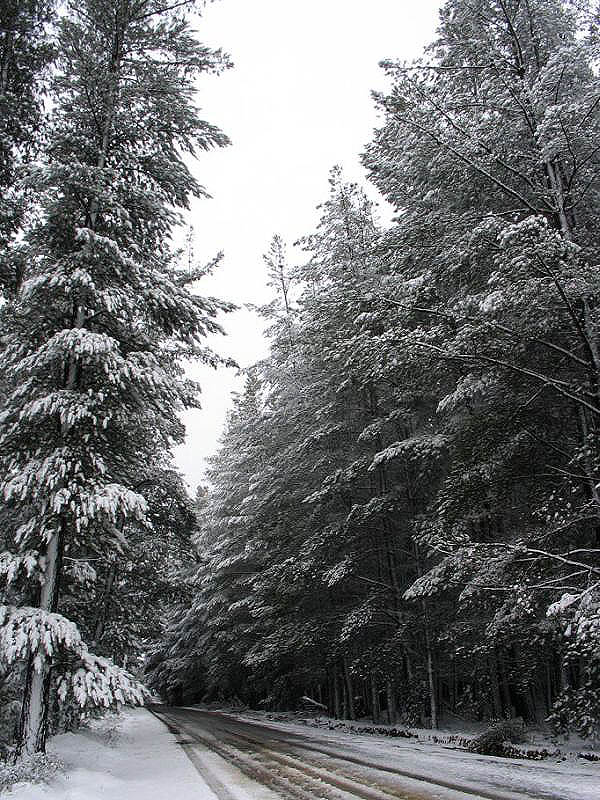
[(134, 757), (130, 757), (450, 732), (564, 777)]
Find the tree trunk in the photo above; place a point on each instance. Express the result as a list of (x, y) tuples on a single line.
[(336, 695), (391, 702), (351, 714), (409, 669), (33, 723), (431, 681), (565, 677), (532, 704), (374, 700), (549, 688), (495, 689), (509, 709), (102, 615)]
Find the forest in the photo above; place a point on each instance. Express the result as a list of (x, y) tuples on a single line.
[(402, 520)]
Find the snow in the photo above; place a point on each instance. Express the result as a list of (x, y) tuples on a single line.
[(130, 757), (565, 601), (414, 447), (558, 778), (93, 680), (134, 757)]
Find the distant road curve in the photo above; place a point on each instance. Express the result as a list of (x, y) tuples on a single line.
[(250, 759)]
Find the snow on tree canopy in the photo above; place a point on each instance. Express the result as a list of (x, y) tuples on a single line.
[(94, 334), (417, 447)]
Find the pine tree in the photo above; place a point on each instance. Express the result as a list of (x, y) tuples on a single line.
[(408, 520), (499, 227), (97, 333), (25, 53)]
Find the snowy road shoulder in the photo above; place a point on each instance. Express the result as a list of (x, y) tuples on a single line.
[(133, 756)]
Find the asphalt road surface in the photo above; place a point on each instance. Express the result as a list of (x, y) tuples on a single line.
[(251, 760)]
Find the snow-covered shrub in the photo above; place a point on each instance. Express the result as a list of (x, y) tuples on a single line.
[(493, 741), (578, 706), (11, 688), (36, 769)]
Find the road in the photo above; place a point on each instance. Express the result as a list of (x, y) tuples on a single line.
[(252, 760)]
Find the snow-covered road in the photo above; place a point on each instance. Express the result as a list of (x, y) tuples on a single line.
[(243, 758)]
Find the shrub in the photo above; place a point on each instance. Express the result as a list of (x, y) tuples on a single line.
[(493, 741), (36, 769)]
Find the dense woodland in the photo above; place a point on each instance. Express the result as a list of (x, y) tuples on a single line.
[(403, 518)]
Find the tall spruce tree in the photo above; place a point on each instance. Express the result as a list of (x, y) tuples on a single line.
[(96, 335)]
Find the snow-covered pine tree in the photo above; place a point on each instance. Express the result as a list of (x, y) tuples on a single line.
[(280, 310), (421, 518), (206, 640), (97, 333), (25, 53), (119, 611), (490, 151)]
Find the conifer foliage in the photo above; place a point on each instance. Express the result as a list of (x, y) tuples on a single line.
[(94, 338), (404, 519), (26, 52)]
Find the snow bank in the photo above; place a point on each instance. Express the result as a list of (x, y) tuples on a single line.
[(129, 757)]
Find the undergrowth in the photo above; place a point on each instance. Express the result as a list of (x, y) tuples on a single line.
[(39, 768)]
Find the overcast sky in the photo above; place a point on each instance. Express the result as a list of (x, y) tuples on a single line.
[(296, 103)]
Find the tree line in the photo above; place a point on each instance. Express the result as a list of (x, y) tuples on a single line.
[(403, 517)]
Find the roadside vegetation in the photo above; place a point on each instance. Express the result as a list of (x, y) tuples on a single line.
[(403, 519)]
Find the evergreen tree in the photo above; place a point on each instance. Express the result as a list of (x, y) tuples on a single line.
[(96, 335), (405, 515), (499, 236), (25, 53)]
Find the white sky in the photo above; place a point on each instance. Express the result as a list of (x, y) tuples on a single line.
[(296, 102)]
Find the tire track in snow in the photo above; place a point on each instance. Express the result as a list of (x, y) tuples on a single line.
[(292, 778), (465, 790), (351, 785), (216, 786), (289, 783)]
